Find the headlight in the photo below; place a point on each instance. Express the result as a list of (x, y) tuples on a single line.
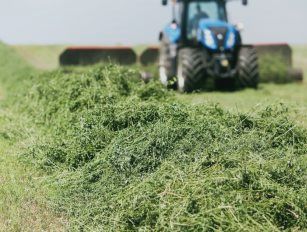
[(209, 39), (231, 40)]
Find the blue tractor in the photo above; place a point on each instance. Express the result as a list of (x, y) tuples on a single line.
[(199, 44)]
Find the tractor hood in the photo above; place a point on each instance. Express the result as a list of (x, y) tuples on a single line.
[(213, 23), (217, 35)]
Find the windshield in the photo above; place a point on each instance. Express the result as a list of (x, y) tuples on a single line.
[(206, 9)]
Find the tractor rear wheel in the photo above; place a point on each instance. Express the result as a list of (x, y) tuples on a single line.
[(191, 69), (167, 64), (248, 70)]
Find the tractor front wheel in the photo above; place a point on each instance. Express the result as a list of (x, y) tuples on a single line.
[(191, 69), (248, 70)]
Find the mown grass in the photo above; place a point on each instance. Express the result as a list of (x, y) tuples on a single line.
[(23, 191), (300, 57), (274, 70), (127, 156), (293, 95), (22, 195), (124, 156), (250, 101), (41, 56)]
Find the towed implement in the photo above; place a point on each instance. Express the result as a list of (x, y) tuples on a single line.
[(92, 55)]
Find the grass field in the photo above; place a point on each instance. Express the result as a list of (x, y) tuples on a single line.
[(249, 101), (23, 201), (300, 57), (292, 95), (23, 204), (97, 150), (40, 57)]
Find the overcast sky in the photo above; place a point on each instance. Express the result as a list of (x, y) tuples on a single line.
[(137, 21)]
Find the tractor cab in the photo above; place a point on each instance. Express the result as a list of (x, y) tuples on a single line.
[(202, 22), (201, 11)]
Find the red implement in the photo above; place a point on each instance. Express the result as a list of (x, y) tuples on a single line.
[(93, 55)]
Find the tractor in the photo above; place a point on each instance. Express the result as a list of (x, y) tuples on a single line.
[(200, 43)]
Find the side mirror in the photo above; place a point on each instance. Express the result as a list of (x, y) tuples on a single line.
[(160, 36), (164, 2), (245, 2)]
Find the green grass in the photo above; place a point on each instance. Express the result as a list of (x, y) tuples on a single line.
[(274, 70), (293, 95), (115, 154), (23, 204), (23, 201), (249, 101), (41, 56), (300, 58), (127, 156)]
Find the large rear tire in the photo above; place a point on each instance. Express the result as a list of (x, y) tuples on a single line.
[(248, 69), (191, 69)]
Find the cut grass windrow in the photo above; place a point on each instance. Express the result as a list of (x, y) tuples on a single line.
[(134, 158), (120, 155)]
